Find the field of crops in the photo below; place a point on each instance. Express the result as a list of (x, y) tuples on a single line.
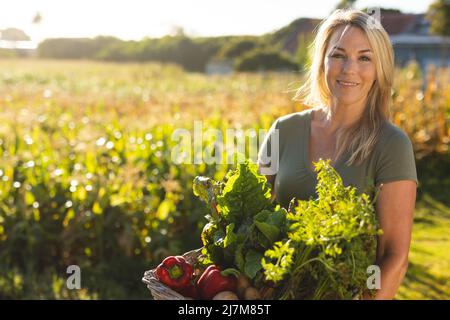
[(87, 174)]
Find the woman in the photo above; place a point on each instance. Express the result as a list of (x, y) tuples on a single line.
[(349, 90)]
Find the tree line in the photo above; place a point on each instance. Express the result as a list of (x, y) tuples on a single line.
[(246, 53)]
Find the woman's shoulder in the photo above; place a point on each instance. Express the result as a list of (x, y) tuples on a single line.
[(392, 140), (293, 120), (391, 133), (394, 159)]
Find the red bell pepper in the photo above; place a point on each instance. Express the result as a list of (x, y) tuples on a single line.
[(213, 280), (190, 291), (175, 272)]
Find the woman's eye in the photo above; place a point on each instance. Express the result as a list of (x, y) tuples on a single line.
[(364, 58), (337, 55)]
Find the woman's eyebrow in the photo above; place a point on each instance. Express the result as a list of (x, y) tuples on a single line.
[(360, 51)]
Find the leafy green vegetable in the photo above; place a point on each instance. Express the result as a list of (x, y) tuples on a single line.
[(244, 223), (271, 224), (231, 237), (245, 194), (252, 263)]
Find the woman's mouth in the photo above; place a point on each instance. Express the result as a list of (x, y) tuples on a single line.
[(347, 83)]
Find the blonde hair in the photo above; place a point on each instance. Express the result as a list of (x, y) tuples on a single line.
[(360, 138)]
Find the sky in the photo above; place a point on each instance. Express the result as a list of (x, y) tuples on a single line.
[(136, 19)]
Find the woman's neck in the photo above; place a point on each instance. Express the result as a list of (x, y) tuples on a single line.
[(334, 117)]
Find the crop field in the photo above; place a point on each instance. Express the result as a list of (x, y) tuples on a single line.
[(88, 176)]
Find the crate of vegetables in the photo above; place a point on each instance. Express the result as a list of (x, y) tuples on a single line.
[(255, 249)]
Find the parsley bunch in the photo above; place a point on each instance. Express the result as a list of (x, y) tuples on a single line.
[(330, 243)]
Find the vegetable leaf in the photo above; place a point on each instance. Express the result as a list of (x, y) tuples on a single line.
[(245, 193), (252, 263)]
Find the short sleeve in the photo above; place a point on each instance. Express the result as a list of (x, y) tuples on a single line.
[(396, 160), (269, 151)]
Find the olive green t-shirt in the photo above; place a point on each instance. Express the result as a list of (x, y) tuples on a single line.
[(392, 159)]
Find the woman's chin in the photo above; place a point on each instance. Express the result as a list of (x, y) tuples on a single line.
[(347, 99), (346, 102)]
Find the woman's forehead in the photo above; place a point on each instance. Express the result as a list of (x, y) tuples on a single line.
[(349, 38)]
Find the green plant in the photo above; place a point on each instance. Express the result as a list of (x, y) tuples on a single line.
[(243, 222), (330, 243), (263, 59)]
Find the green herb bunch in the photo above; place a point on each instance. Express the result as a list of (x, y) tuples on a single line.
[(330, 243)]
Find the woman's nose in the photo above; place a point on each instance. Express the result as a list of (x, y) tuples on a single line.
[(349, 66)]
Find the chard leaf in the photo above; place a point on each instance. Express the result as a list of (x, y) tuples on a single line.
[(230, 237), (271, 223), (252, 263), (239, 257), (245, 193), (271, 232), (219, 238), (200, 187)]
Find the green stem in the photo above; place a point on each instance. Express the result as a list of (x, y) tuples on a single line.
[(175, 272), (323, 285), (293, 284), (300, 261), (231, 271)]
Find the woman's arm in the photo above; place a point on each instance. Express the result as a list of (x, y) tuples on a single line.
[(271, 180), (395, 208)]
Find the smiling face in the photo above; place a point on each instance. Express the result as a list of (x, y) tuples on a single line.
[(349, 66)]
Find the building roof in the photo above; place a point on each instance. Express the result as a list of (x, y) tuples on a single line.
[(397, 23), (402, 29), (416, 39)]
